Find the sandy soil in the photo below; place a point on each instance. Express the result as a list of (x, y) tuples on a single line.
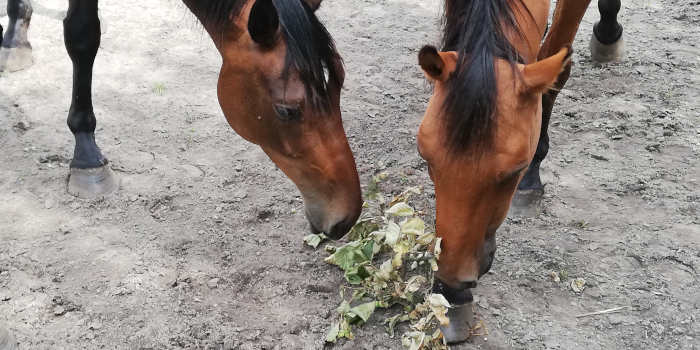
[(201, 247)]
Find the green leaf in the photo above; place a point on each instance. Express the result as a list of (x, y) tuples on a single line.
[(361, 312), (414, 227), (397, 260), (378, 236), (345, 329), (438, 248), (413, 340), (362, 229), (347, 256), (385, 271), (314, 240), (426, 238), (357, 294), (400, 209), (356, 274), (439, 305), (405, 195), (332, 335), (368, 250), (414, 283), (391, 323), (393, 232), (343, 308), (400, 249)]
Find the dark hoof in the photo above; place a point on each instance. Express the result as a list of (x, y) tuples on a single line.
[(15, 58), (92, 183), (603, 53), (7, 340), (461, 324), (527, 203)]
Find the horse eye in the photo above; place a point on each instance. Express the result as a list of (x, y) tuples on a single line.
[(288, 113)]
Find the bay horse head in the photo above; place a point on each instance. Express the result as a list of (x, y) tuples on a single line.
[(279, 87), (481, 128)]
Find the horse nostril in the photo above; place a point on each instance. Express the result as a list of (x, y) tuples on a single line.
[(467, 285), (341, 228)]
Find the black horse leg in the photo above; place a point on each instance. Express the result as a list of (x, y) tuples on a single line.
[(606, 43), (532, 180), (530, 188), (15, 51), (90, 175)]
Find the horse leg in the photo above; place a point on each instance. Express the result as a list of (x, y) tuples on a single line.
[(90, 176), (15, 51), (567, 18), (606, 42)]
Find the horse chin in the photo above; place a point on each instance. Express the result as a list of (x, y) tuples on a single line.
[(334, 231), (324, 217), (461, 323), (460, 313)]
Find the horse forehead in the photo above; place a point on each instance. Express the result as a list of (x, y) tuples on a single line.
[(507, 77), (245, 57)]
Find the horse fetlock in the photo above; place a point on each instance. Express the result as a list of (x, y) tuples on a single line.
[(531, 180), (16, 52), (15, 58), (87, 154)]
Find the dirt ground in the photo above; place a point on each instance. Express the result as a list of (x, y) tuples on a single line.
[(202, 248)]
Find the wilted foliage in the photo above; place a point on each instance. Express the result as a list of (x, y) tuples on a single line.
[(389, 262)]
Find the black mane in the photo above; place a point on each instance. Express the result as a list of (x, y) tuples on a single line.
[(475, 29), (219, 13), (310, 48)]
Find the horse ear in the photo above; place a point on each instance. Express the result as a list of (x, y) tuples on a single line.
[(263, 22), (314, 4), (541, 75), (437, 66)]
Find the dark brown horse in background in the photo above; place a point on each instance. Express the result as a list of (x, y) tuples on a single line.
[(279, 87), (484, 133)]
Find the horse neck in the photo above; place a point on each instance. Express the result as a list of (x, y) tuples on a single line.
[(532, 20)]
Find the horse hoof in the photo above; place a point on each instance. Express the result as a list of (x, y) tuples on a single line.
[(603, 53), (14, 59), (527, 203), (92, 183), (461, 323), (7, 340)]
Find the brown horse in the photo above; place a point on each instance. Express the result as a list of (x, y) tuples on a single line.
[(279, 87), (489, 111)]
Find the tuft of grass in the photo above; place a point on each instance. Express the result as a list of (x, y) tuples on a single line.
[(389, 263), (158, 89)]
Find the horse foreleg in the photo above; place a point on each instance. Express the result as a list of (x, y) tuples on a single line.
[(90, 176), (15, 50), (606, 42), (567, 18)]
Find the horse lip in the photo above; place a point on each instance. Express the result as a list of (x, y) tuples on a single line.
[(455, 296)]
